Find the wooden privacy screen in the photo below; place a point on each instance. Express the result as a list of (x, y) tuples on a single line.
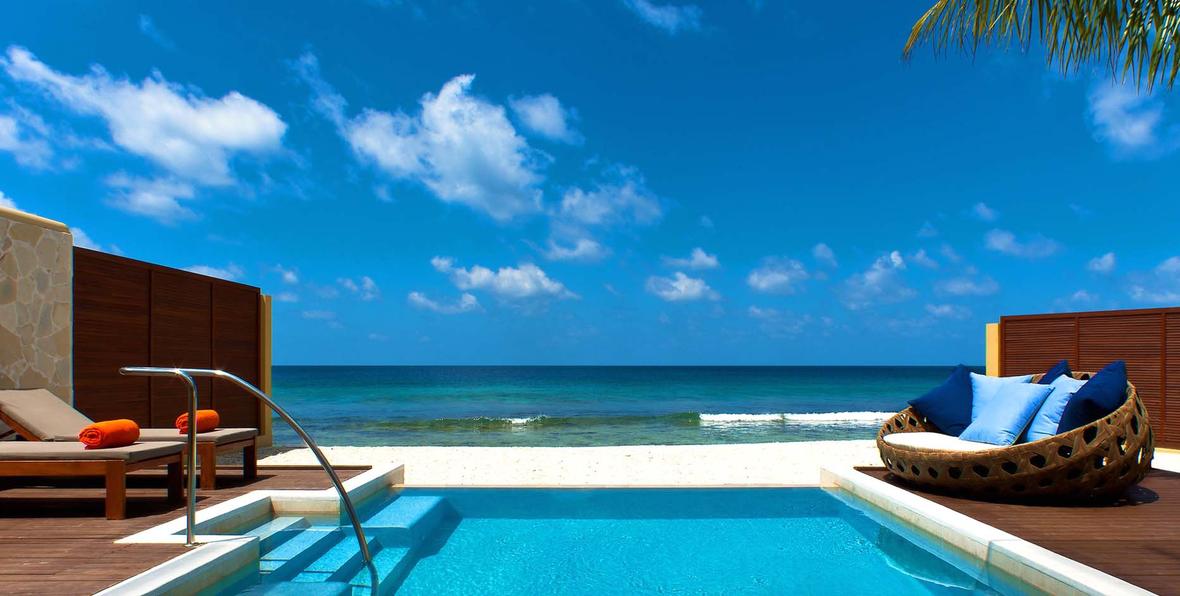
[(1148, 340), (130, 313)]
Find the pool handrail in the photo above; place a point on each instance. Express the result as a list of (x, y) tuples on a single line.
[(187, 374)]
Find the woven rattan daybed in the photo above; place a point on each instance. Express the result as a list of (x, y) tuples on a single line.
[(1098, 461)]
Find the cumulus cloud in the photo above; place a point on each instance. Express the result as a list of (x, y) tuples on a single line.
[(327, 316), (967, 285), (81, 238), (623, 199), (778, 276), (508, 283), (287, 297), (158, 198), (544, 115), (5, 201), (23, 135), (366, 289), (922, 259), (824, 254), (289, 276), (1035, 246), (1161, 285), (230, 272), (776, 323), (460, 147), (881, 283), (465, 303), (669, 18), (147, 26), (582, 249), (947, 311), (984, 213), (1130, 123), (1103, 264), (680, 288), (697, 259), (191, 136)]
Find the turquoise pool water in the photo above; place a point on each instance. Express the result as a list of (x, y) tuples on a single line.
[(606, 541)]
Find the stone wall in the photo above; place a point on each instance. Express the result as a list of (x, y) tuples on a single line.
[(36, 304)]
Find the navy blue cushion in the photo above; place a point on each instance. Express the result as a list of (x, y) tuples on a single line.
[(1061, 368), (1101, 395), (948, 406)]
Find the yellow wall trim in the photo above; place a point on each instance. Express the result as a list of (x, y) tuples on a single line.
[(36, 220), (992, 336)]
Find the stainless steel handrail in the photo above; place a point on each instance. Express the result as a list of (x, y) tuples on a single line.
[(187, 375)]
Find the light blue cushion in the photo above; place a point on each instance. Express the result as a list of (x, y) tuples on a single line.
[(1008, 413), (1045, 423), (983, 390)]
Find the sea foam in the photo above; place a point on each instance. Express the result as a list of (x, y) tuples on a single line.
[(816, 418)]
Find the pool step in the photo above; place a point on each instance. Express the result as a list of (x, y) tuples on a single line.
[(393, 565), (290, 557), (277, 531), (407, 520), (298, 589), (339, 562)]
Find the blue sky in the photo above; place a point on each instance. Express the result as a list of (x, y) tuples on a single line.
[(632, 182)]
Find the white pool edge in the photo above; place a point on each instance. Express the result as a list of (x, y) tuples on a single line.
[(220, 557), (997, 553)]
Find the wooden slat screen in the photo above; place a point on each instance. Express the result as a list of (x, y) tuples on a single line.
[(1147, 339), (128, 312)]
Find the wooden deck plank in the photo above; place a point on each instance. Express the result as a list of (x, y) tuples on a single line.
[(55, 538), (1136, 539)]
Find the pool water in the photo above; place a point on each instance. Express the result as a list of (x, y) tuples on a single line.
[(605, 541)]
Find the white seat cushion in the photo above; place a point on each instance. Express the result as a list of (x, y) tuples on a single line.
[(936, 442)]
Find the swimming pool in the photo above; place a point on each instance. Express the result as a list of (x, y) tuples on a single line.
[(596, 541)]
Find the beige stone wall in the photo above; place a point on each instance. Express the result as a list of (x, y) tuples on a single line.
[(36, 304)]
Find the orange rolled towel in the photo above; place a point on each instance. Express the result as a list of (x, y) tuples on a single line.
[(207, 420), (109, 433)]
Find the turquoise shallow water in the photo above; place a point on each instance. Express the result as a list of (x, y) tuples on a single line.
[(573, 406)]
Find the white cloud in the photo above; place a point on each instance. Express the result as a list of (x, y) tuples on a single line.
[(461, 147), (82, 239), (776, 323), (922, 259), (1160, 286), (544, 115), (230, 272), (950, 254), (881, 283), (1035, 246), (326, 316), (5, 201), (148, 27), (680, 288), (698, 259), (1129, 123), (366, 289), (620, 201), (1102, 264), (510, 283), (287, 297), (583, 249), (669, 18), (778, 276), (289, 276), (20, 137), (967, 285), (157, 198), (175, 126), (465, 303), (1083, 296), (823, 253), (947, 311), (984, 213)]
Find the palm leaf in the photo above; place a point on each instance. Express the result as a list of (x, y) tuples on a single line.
[(1135, 39)]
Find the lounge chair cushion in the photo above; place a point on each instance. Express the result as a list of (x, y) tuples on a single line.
[(219, 436), (1008, 415), (935, 442), (1101, 395), (984, 388), (40, 412), (948, 406), (1061, 368), (1048, 418), (59, 451)]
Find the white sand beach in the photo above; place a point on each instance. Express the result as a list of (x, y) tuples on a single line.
[(647, 465)]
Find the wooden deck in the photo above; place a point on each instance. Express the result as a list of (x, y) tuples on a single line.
[(1137, 540), (58, 541)]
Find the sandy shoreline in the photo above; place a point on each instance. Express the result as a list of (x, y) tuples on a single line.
[(652, 465)]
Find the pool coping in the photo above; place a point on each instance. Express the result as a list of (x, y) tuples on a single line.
[(997, 556), (221, 557)]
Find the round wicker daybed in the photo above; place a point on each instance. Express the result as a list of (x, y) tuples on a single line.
[(1098, 461)]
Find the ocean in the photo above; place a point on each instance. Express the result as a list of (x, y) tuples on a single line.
[(556, 406)]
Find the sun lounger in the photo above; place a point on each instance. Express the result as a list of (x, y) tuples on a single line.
[(60, 459), (38, 415)]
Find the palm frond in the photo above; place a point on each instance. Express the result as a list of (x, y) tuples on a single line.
[(1136, 39)]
